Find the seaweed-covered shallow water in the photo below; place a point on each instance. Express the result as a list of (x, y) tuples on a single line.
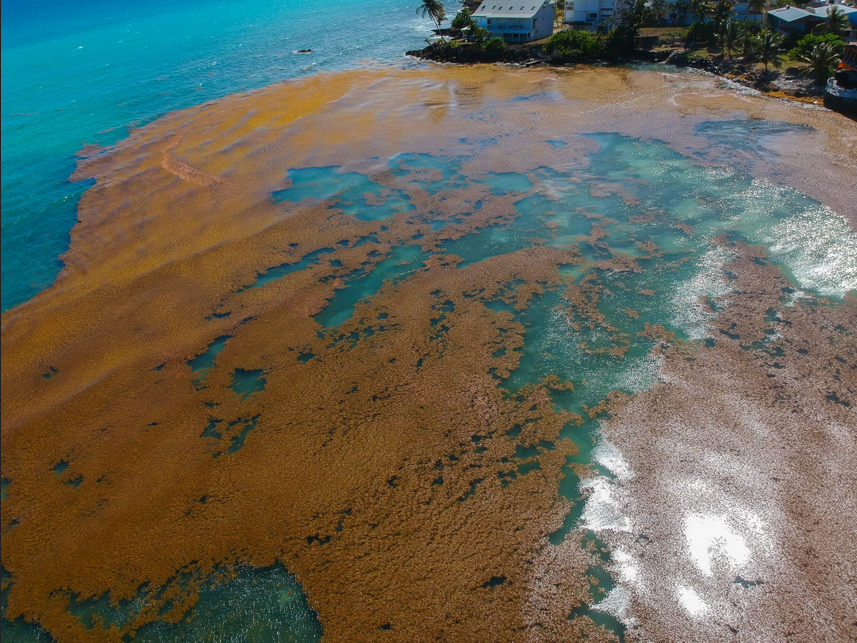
[(378, 343)]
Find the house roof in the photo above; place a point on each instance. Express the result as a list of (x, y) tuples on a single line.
[(509, 8), (823, 11), (850, 12), (791, 14)]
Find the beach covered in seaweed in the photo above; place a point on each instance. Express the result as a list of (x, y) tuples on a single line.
[(366, 326)]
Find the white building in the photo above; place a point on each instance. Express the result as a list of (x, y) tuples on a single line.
[(590, 12), (518, 21), (598, 12)]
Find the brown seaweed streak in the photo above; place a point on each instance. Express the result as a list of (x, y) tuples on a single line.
[(185, 172)]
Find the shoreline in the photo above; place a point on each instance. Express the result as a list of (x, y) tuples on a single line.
[(533, 56)]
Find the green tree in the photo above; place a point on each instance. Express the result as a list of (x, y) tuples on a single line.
[(720, 14), (631, 18), (836, 21), (658, 10), (463, 20), (574, 44), (769, 49), (756, 7), (748, 45), (479, 36), (730, 35), (822, 59), (495, 47), (700, 9), (806, 44), (434, 10)]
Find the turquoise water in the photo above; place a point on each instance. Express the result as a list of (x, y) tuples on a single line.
[(84, 72), (254, 606)]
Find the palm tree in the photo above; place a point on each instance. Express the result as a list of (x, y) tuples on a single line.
[(730, 34), (748, 44), (769, 49), (720, 14), (701, 8), (836, 21), (434, 10), (756, 7), (821, 59)]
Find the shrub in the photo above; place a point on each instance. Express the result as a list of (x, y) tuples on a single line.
[(809, 42), (701, 32), (748, 45), (822, 59), (478, 35), (621, 39), (463, 19), (574, 44), (495, 47)]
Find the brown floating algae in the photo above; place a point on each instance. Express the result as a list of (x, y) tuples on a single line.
[(239, 368)]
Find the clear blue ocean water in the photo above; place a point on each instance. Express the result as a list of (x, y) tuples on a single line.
[(78, 73)]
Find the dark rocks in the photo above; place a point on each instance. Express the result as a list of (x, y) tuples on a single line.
[(469, 53)]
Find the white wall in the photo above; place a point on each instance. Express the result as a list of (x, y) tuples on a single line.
[(592, 12)]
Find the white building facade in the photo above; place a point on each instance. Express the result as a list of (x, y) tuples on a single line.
[(604, 12), (589, 12), (516, 21)]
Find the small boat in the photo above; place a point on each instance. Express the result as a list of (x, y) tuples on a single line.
[(841, 92)]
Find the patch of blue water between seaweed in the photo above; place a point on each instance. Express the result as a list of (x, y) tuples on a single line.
[(278, 272), (264, 605), (347, 191), (449, 167), (205, 360), (248, 382), (18, 630), (749, 135), (403, 260)]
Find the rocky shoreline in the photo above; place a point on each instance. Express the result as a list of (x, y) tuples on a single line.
[(777, 84)]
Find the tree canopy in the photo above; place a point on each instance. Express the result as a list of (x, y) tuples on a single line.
[(822, 58), (432, 9), (769, 48), (806, 44)]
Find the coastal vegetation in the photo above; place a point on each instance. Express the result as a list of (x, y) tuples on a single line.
[(575, 45), (810, 41), (729, 37), (715, 41), (822, 58), (768, 45), (463, 20)]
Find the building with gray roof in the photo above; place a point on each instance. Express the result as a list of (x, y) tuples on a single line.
[(516, 21)]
